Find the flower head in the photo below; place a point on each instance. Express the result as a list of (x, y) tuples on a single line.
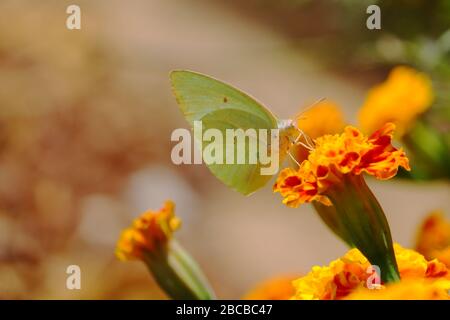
[(335, 156), (349, 274), (433, 240), (332, 175), (400, 99), (324, 118), (148, 232), (149, 239), (410, 289)]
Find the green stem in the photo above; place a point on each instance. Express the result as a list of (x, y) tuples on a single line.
[(329, 216), (178, 274), (362, 222)]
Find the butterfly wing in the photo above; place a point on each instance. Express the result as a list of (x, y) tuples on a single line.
[(220, 106), (198, 95)]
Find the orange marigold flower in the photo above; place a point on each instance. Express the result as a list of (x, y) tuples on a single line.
[(433, 240), (150, 240), (337, 155), (279, 288), (150, 231), (323, 118), (400, 99), (349, 274)]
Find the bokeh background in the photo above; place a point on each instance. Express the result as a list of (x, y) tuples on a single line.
[(86, 117)]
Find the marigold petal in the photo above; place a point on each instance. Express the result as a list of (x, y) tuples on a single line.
[(347, 277), (404, 95), (150, 229), (337, 155)]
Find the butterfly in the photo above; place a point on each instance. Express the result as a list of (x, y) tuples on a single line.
[(220, 106)]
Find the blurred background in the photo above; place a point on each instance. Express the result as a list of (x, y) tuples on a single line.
[(86, 117)]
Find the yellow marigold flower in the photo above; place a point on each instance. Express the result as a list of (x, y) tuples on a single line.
[(150, 231), (410, 289), (349, 274), (410, 263), (324, 118), (433, 240), (279, 288), (400, 99), (335, 156), (335, 280)]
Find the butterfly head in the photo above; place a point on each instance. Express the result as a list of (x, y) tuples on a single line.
[(290, 131)]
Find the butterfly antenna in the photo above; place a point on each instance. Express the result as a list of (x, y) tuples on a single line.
[(309, 108)]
